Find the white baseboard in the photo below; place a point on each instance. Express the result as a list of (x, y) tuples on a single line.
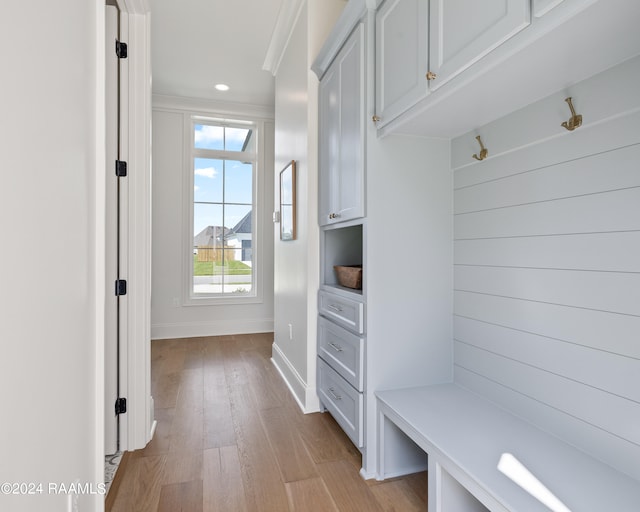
[(305, 395), (154, 425), (152, 417), (217, 328), (366, 475)]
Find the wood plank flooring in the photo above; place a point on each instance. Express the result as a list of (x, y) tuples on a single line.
[(230, 438)]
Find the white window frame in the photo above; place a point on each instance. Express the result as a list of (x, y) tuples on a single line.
[(201, 299)]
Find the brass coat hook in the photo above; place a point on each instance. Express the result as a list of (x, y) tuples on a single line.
[(576, 119), (483, 151)]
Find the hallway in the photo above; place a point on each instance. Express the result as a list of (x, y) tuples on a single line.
[(231, 438)]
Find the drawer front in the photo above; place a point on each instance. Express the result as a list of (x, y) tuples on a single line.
[(342, 401), (343, 351), (345, 312)]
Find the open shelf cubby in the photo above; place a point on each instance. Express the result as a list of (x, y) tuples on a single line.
[(341, 246)]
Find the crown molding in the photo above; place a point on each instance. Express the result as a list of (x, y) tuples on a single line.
[(212, 107), (353, 12), (287, 17)]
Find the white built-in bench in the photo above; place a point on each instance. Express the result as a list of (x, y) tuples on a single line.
[(465, 438)]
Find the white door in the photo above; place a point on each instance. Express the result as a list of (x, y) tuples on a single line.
[(111, 245)]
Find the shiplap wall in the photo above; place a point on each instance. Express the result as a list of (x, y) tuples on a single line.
[(547, 266)]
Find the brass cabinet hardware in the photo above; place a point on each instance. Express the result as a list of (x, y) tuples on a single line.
[(375, 119), (431, 75), (483, 151), (576, 119)]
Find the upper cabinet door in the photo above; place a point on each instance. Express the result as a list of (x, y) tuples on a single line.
[(341, 137), (350, 194), (329, 143), (402, 41), (463, 31)]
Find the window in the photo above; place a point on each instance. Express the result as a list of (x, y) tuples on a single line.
[(223, 209)]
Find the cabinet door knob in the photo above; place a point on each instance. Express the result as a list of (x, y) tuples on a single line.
[(375, 119), (431, 75)]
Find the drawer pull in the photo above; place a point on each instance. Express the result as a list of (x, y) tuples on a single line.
[(335, 308), (335, 347), (333, 394)]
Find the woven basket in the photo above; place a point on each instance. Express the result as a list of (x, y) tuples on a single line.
[(349, 276)]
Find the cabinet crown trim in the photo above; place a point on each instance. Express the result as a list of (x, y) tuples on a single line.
[(353, 12)]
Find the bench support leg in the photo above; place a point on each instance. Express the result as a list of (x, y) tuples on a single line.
[(397, 454), (446, 494)]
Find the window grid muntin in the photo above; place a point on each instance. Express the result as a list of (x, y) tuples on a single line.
[(248, 158)]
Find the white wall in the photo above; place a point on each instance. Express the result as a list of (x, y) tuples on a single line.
[(292, 277), (297, 262), (52, 225), (170, 317), (547, 266)]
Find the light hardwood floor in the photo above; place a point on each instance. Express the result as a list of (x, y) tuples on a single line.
[(230, 438)]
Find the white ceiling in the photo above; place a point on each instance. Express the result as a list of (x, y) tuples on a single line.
[(196, 44)]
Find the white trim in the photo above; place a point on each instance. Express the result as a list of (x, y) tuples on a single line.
[(285, 23), (99, 231), (154, 425), (353, 12), (296, 384), (123, 302), (198, 106), (214, 328), (258, 233), (366, 475)]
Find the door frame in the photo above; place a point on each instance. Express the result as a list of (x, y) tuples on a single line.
[(137, 424), (112, 245)]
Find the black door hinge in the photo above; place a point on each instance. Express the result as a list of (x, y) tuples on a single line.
[(121, 168), (121, 50), (121, 287), (121, 406)]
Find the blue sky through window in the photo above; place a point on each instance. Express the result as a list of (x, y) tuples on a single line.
[(217, 181), (220, 137)]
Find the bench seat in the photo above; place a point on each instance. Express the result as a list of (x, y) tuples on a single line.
[(465, 437)]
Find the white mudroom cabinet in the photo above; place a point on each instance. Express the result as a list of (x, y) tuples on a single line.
[(385, 204)]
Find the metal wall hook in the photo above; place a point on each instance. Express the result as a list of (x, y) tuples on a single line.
[(576, 119), (483, 151)]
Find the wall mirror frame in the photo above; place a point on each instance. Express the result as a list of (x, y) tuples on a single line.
[(288, 202)]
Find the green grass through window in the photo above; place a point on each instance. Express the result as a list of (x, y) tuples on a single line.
[(211, 268)]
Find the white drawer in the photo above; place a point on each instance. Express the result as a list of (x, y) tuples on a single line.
[(342, 401), (343, 351), (346, 312)]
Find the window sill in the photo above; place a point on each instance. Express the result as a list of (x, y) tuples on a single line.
[(217, 300)]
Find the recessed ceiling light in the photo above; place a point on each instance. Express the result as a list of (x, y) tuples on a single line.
[(222, 87)]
